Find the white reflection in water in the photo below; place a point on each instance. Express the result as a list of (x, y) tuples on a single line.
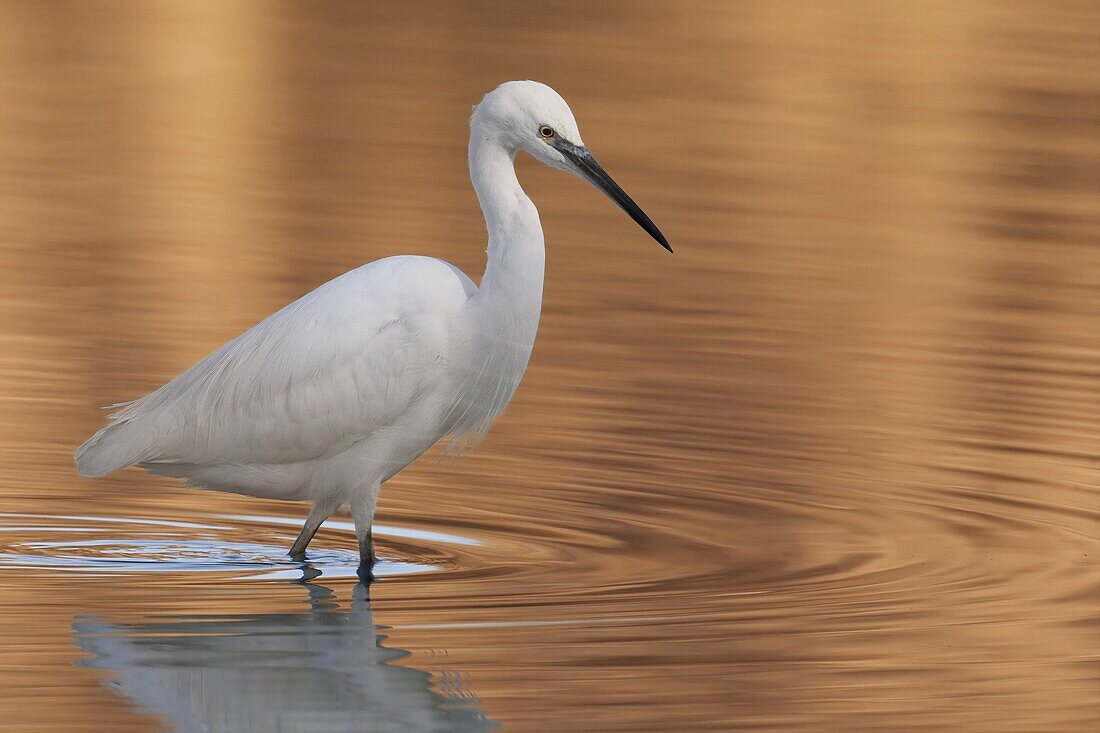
[(322, 670)]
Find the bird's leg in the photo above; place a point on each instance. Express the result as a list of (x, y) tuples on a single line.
[(362, 505), (366, 550), (322, 510)]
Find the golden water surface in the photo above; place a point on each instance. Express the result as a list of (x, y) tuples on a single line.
[(831, 466)]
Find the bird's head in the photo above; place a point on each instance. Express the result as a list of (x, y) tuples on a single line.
[(529, 116)]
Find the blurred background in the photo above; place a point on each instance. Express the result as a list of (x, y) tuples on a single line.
[(831, 466)]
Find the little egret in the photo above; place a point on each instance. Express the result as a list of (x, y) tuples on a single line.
[(331, 396)]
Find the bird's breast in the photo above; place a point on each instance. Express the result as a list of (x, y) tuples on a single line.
[(494, 360)]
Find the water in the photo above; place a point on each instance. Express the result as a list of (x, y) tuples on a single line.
[(832, 466)]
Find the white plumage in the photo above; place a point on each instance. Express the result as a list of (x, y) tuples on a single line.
[(338, 391)]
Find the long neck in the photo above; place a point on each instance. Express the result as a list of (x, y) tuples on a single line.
[(503, 315), (513, 277)]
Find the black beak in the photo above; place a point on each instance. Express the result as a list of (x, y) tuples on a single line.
[(597, 176)]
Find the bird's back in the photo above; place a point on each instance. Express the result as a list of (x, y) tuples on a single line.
[(332, 367)]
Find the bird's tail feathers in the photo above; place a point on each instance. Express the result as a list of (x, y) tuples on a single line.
[(122, 443)]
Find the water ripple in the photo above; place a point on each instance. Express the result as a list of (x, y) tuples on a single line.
[(97, 544)]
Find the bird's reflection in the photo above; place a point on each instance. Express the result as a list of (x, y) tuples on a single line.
[(321, 670)]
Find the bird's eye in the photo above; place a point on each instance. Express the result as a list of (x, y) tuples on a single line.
[(546, 131)]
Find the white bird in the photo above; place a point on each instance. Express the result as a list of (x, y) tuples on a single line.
[(331, 396)]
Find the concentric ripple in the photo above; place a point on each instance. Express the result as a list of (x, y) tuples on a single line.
[(246, 546)]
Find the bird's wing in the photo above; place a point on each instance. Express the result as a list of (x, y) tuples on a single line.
[(327, 370)]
